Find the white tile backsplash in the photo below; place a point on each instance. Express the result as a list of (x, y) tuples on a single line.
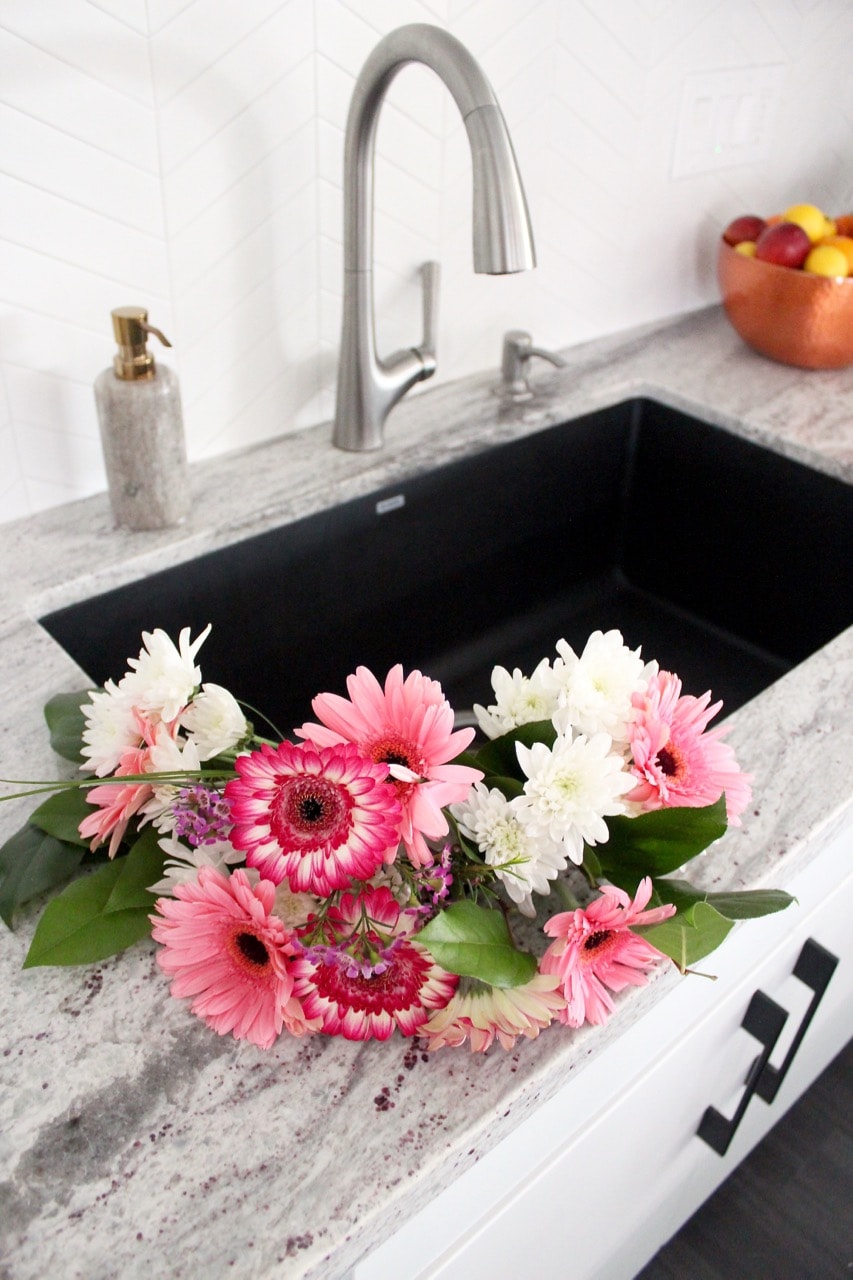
[(187, 155)]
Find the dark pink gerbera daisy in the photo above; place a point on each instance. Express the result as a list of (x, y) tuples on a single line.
[(407, 725), (320, 816), (595, 952), (375, 978), (222, 945)]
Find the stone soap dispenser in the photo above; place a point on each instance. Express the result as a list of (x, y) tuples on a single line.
[(142, 430)]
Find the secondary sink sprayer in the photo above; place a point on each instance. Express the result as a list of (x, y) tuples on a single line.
[(368, 386)]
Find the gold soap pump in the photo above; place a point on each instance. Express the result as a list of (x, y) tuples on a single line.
[(142, 431), (133, 360)]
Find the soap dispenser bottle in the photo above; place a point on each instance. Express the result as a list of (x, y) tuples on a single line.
[(142, 432)]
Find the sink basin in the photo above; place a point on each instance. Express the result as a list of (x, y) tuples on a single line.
[(728, 563)]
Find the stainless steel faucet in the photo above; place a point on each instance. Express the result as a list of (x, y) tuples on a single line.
[(369, 386)]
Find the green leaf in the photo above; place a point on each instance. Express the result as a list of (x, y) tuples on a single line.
[(510, 787), (498, 757), (474, 942), (100, 914), (744, 904), (32, 862), (591, 864), (659, 842), (690, 935), (61, 814), (749, 904), (66, 723)]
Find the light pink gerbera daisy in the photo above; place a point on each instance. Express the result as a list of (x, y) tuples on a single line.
[(222, 945), (675, 761), (480, 1013), (373, 978), (118, 802), (595, 951), (408, 726), (322, 816)]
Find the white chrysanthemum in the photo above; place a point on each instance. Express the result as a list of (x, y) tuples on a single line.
[(570, 789), (520, 700), (162, 679), (111, 729), (593, 691), (293, 909), (168, 755), (214, 721), (183, 863), (523, 864)]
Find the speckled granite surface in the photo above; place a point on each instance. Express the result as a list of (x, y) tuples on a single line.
[(133, 1141)]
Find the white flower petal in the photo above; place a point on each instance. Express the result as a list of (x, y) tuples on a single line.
[(570, 789), (214, 721), (593, 692)]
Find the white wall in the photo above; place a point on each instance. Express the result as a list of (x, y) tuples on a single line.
[(187, 155)]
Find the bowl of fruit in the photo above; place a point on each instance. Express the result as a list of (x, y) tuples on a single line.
[(787, 285)]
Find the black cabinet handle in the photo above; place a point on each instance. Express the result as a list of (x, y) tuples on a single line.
[(815, 966), (764, 1019)]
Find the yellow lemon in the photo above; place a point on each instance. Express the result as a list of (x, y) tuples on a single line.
[(810, 218), (831, 227), (845, 244), (826, 260), (746, 248)]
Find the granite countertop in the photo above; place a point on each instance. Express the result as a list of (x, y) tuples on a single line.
[(134, 1141)]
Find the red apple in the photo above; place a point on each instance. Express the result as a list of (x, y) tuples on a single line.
[(748, 227), (786, 244)]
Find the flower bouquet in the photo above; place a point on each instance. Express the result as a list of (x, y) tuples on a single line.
[(378, 870)]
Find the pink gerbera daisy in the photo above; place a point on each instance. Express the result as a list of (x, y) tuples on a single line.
[(480, 1013), (676, 762), (408, 726), (118, 802), (374, 978), (321, 816), (595, 951), (222, 945)]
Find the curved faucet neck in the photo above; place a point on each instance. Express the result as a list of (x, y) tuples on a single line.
[(452, 63)]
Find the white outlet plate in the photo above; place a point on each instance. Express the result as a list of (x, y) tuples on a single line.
[(726, 118)]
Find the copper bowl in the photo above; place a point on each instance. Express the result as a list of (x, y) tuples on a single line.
[(792, 316)]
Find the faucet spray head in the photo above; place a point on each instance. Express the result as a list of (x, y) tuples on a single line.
[(502, 235)]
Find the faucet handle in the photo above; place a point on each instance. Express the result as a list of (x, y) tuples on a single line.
[(430, 279), (518, 350)]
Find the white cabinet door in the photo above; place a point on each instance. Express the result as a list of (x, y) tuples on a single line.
[(592, 1184)]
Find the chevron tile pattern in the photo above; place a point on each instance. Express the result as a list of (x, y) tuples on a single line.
[(188, 155)]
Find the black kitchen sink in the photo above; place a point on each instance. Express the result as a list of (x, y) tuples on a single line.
[(728, 563)]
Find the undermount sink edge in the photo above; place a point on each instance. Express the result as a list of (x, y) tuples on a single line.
[(792, 734)]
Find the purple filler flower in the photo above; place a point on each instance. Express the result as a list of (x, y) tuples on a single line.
[(202, 815)]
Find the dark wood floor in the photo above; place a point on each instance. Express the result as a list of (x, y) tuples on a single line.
[(787, 1212)]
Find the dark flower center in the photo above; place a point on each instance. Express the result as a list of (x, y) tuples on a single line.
[(596, 939), (667, 762), (311, 808), (396, 757), (392, 749), (252, 949), (309, 812)]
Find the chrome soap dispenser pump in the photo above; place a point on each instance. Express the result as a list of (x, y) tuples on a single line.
[(142, 430)]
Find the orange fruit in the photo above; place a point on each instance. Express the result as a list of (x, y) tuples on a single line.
[(844, 224)]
